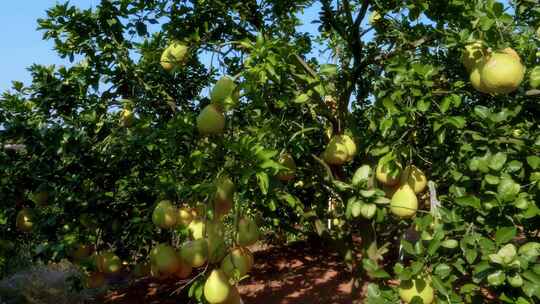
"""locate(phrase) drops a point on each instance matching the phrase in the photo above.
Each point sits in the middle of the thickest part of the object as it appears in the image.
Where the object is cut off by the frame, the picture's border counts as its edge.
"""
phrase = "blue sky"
(22, 44)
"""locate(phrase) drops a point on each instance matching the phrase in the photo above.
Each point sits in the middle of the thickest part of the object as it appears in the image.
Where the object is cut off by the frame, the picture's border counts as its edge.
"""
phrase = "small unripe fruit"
(108, 262)
(248, 232)
(195, 253)
(197, 228)
(415, 178)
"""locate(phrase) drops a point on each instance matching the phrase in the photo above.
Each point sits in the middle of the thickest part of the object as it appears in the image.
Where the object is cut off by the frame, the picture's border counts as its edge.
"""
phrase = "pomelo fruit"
(404, 202)
(223, 89)
(476, 79)
(197, 228)
(248, 232)
(473, 54)
(238, 262)
(414, 177)
(287, 161)
(340, 149)
(24, 221)
(108, 262)
(174, 55)
(185, 216)
(165, 215)
(165, 259)
(211, 120)
(40, 198)
(502, 73)
(389, 173)
(217, 287)
(416, 288)
(195, 253)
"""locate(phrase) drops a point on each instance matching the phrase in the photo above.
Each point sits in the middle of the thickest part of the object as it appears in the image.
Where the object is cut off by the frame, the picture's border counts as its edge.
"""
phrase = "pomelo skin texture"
(404, 202)
(502, 73)
(210, 121)
(165, 215)
(248, 232)
(389, 173)
(416, 287)
(195, 253)
(223, 88)
(415, 178)
(217, 287)
(286, 160)
(185, 216)
(24, 220)
(197, 228)
(473, 54)
(165, 258)
(476, 79)
(239, 260)
(340, 149)
(108, 262)
(174, 55)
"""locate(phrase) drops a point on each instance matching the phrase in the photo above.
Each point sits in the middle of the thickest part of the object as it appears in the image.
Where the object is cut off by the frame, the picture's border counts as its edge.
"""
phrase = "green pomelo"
(165, 215)
(248, 232)
(210, 121)
(195, 253)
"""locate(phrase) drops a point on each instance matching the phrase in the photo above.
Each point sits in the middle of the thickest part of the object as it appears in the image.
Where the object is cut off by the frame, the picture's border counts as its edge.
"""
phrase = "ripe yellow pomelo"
(414, 177)
(340, 149)
(502, 73)
(416, 288)
(185, 216)
(197, 228)
(476, 79)
(388, 174)
(404, 202)
(217, 287)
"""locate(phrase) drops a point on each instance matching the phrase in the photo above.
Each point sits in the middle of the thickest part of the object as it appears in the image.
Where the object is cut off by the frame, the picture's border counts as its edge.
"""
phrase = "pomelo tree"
(412, 126)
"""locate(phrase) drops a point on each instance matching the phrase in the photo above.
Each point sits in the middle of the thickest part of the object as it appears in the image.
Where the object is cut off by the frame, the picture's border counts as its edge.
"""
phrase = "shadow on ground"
(298, 273)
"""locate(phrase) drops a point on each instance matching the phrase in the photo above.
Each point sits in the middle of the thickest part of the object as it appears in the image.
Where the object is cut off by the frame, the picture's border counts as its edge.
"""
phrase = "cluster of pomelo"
(401, 185)
(498, 72)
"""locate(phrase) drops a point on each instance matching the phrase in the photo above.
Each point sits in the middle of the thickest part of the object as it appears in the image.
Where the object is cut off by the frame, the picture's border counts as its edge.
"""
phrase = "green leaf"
(496, 278)
(533, 161)
(497, 161)
(442, 270)
(508, 190)
(505, 234)
(361, 174)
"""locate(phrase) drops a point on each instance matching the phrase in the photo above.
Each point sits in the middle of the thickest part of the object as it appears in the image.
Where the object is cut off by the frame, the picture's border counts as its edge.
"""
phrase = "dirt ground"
(298, 273)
